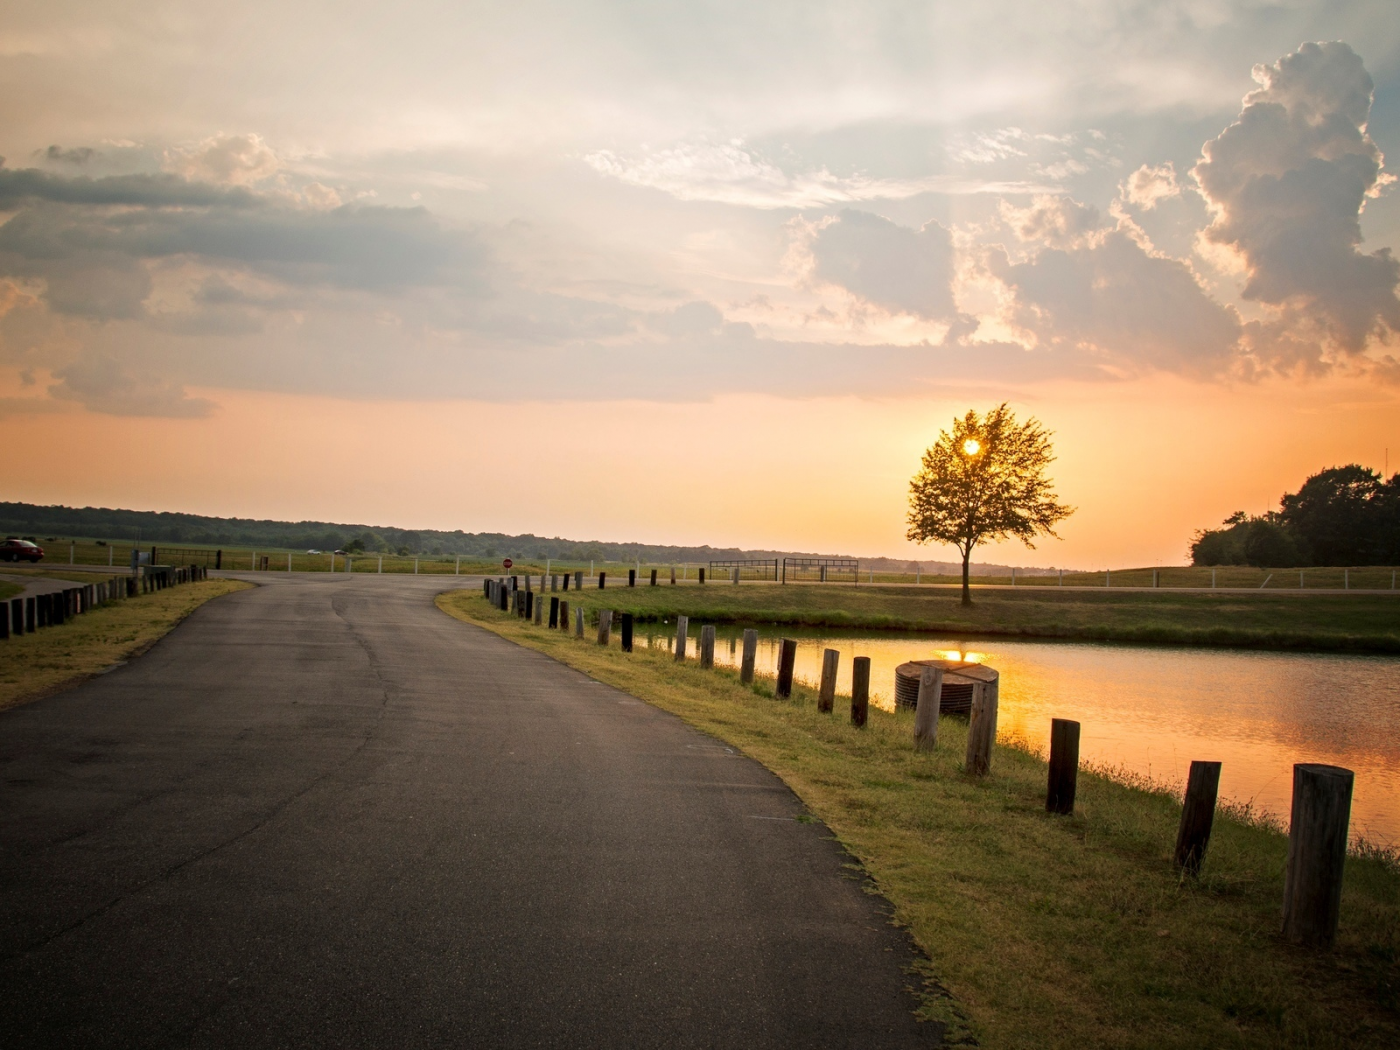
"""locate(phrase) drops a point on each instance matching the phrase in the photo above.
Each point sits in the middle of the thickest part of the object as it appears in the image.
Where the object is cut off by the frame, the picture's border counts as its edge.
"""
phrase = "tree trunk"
(966, 590)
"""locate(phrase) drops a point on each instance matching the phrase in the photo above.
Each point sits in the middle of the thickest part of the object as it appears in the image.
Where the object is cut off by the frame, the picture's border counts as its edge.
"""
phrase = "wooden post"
(1064, 765)
(604, 626)
(653, 577)
(826, 696)
(631, 577)
(1197, 816)
(539, 609)
(602, 581)
(787, 658)
(707, 646)
(529, 603)
(702, 574)
(578, 622)
(750, 654)
(673, 575)
(1317, 851)
(566, 581)
(626, 632)
(554, 613)
(926, 711)
(682, 624)
(736, 576)
(564, 616)
(860, 691)
(578, 580)
(981, 728)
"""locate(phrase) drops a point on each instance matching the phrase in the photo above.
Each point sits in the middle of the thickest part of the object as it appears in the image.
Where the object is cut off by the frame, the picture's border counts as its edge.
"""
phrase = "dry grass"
(54, 658)
(1048, 931)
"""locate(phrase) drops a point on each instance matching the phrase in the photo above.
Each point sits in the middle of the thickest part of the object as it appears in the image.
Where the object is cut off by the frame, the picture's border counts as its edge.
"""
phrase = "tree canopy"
(1340, 516)
(982, 482)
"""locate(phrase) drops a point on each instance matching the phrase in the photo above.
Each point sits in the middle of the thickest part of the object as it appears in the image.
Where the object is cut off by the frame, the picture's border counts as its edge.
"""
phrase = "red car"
(14, 549)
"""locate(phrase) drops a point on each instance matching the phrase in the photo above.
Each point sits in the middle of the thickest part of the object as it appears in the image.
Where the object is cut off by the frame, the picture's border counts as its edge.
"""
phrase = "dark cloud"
(892, 266)
(77, 155)
(1288, 181)
(28, 185)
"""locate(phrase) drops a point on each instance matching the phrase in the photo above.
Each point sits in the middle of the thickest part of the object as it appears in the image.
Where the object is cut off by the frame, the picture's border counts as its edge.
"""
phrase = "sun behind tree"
(985, 482)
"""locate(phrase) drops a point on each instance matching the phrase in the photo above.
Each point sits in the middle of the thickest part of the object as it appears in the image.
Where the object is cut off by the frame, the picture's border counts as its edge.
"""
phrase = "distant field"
(1357, 622)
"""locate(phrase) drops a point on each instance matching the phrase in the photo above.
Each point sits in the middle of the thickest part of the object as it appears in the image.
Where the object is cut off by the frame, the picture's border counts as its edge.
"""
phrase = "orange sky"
(1145, 462)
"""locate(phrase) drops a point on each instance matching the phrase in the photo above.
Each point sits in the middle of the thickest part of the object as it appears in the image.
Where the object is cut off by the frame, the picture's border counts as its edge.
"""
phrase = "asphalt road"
(322, 813)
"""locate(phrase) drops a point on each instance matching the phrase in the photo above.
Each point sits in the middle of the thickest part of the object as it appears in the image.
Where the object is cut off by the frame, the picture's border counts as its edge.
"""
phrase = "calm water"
(1153, 710)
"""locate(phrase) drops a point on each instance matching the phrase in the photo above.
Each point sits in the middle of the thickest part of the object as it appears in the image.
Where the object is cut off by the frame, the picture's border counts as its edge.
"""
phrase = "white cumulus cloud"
(227, 160)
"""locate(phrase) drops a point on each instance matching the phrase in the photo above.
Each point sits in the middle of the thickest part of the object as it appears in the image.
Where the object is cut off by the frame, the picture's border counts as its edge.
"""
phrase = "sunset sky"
(695, 272)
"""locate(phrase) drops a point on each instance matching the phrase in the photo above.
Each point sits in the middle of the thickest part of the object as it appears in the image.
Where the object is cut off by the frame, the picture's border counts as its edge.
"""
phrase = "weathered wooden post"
(826, 696)
(702, 574)
(860, 691)
(602, 581)
(1317, 851)
(981, 728)
(1197, 816)
(529, 603)
(626, 632)
(926, 709)
(578, 580)
(566, 581)
(578, 622)
(554, 613)
(787, 659)
(1064, 765)
(707, 646)
(631, 577)
(539, 608)
(554, 582)
(16, 616)
(736, 576)
(653, 577)
(673, 575)
(564, 616)
(604, 626)
(682, 624)
(750, 654)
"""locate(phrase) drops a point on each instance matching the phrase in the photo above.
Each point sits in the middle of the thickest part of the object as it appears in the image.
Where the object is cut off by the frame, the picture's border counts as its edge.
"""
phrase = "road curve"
(321, 813)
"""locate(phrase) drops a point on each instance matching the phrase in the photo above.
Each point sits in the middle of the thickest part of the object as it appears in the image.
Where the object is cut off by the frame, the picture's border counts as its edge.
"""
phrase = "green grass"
(1047, 931)
(9, 590)
(1354, 622)
(36, 665)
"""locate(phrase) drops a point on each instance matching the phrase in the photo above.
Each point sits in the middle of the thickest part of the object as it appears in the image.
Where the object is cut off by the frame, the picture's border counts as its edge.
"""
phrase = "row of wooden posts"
(26, 615)
(1321, 794)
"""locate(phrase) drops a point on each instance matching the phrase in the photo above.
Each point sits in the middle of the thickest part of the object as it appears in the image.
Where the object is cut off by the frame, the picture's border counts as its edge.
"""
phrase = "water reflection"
(1152, 710)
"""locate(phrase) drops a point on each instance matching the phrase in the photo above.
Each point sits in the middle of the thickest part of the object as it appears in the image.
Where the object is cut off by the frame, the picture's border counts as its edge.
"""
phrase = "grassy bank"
(1047, 931)
(53, 658)
(1347, 622)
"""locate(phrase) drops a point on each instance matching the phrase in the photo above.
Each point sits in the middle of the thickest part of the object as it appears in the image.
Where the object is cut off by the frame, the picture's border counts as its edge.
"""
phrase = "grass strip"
(1317, 622)
(1048, 931)
(54, 658)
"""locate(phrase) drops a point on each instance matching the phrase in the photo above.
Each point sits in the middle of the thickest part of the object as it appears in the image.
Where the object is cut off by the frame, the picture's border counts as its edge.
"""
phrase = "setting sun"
(972, 446)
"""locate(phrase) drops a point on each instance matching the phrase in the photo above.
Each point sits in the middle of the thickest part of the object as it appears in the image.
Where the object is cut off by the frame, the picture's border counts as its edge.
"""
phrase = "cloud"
(730, 174)
(225, 160)
(901, 269)
(27, 185)
(1148, 185)
(1056, 221)
(1287, 182)
(77, 155)
(1102, 292)
(102, 385)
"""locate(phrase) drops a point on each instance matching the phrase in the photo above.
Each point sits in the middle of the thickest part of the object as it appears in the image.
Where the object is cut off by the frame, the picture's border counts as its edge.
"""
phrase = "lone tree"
(985, 481)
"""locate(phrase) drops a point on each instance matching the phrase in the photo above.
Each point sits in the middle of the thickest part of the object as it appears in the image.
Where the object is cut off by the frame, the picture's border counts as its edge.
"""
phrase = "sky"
(695, 272)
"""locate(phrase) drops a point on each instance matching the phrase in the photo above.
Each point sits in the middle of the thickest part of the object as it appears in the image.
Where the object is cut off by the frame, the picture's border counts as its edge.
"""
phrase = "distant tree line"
(152, 527)
(1342, 516)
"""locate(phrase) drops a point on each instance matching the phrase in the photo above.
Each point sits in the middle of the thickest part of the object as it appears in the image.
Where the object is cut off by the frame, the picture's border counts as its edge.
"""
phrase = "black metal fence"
(760, 569)
(821, 570)
(187, 556)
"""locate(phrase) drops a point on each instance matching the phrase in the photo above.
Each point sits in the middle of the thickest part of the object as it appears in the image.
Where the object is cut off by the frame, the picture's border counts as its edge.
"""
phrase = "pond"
(1150, 711)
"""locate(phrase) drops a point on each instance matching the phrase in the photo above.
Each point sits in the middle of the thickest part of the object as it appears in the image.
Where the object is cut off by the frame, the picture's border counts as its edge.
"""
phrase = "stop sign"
(507, 563)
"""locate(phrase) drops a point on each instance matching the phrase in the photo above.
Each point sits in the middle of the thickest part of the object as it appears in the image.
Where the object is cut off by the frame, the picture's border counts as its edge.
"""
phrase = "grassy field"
(1357, 622)
(1047, 931)
(9, 590)
(53, 658)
